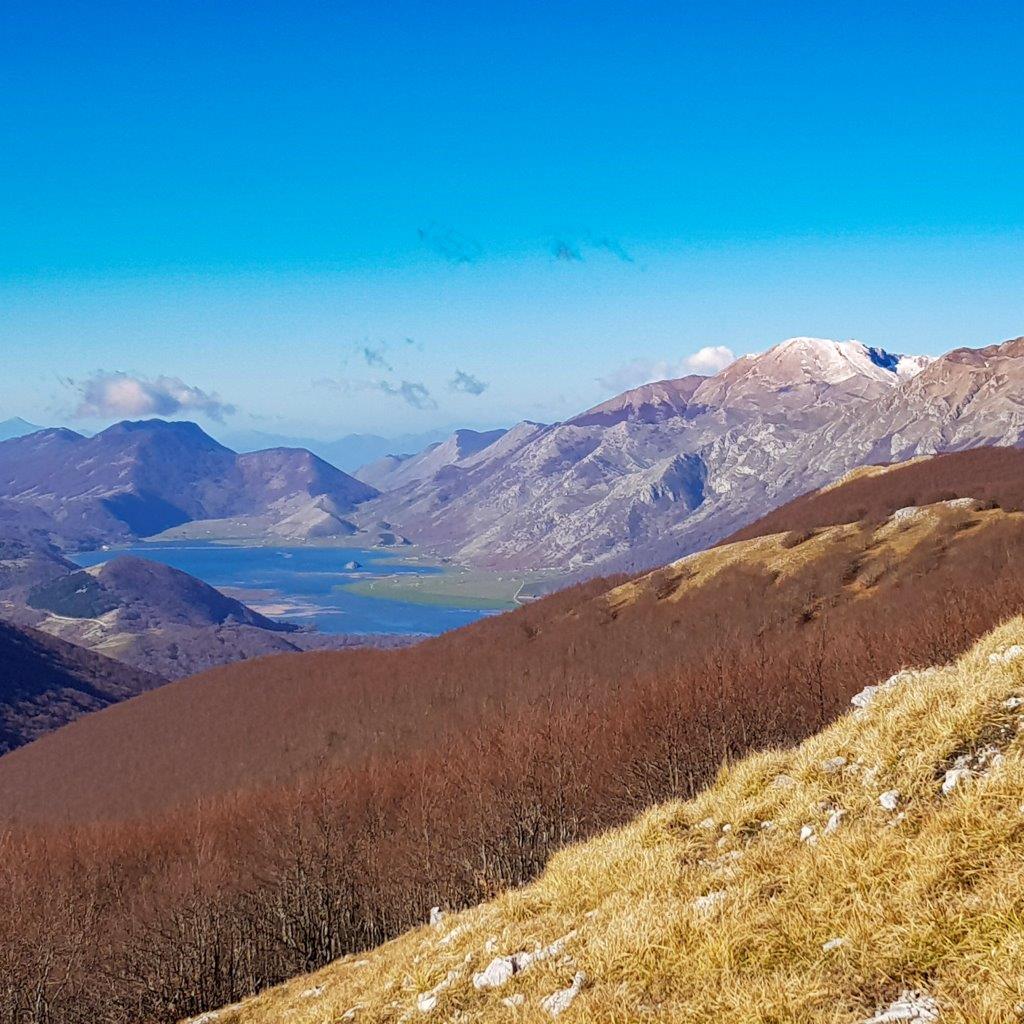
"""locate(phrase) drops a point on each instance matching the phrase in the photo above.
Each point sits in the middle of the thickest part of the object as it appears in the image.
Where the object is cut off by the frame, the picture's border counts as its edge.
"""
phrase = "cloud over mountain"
(710, 359)
(107, 394)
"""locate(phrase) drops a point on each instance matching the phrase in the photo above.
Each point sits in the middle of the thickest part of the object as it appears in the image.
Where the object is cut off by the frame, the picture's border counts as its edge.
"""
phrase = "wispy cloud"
(412, 393)
(373, 356)
(467, 383)
(710, 359)
(565, 251)
(449, 244)
(572, 247)
(106, 394)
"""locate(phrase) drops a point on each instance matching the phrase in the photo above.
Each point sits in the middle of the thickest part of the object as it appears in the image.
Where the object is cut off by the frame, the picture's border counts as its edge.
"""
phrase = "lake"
(304, 585)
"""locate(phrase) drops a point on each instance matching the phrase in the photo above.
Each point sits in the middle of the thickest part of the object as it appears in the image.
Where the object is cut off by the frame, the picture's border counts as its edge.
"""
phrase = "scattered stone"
(1013, 703)
(912, 1006)
(767, 826)
(783, 781)
(808, 836)
(311, 993)
(502, 968)
(707, 823)
(890, 799)
(833, 765)
(426, 1001)
(1005, 657)
(436, 917)
(828, 947)
(514, 1001)
(560, 1001)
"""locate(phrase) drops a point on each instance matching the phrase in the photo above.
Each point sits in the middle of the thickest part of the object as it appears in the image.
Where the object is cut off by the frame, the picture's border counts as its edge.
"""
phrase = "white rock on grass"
(311, 993)
(457, 932)
(1013, 703)
(436, 917)
(808, 836)
(953, 779)
(1006, 656)
(863, 700)
(908, 514)
(827, 947)
(783, 781)
(833, 765)
(558, 1002)
(514, 1001)
(502, 968)
(911, 1006)
(890, 799)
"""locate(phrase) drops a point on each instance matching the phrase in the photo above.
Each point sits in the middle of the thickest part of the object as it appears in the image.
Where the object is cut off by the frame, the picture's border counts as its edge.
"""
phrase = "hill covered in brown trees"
(259, 820)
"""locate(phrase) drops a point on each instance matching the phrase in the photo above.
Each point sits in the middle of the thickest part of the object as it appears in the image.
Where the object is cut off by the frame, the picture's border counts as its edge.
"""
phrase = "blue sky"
(266, 202)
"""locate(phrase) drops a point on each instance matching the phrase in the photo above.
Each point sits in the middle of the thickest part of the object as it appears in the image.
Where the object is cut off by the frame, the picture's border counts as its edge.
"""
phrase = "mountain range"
(670, 467)
(137, 479)
(347, 453)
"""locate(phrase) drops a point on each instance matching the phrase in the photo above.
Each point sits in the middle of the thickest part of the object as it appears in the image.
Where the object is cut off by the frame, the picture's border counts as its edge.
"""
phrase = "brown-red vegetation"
(992, 475)
(244, 826)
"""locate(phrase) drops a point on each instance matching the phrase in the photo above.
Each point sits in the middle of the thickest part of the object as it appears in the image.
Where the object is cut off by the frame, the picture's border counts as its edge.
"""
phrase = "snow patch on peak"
(836, 361)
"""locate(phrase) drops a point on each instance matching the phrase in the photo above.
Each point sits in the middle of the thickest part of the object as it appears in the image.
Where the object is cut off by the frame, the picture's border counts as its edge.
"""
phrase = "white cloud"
(120, 394)
(709, 359)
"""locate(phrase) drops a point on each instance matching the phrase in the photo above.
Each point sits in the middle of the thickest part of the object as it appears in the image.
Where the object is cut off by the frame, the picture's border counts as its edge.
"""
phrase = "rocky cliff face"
(668, 468)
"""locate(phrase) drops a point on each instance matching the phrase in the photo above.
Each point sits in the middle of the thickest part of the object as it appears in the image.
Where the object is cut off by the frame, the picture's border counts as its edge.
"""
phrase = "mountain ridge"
(575, 495)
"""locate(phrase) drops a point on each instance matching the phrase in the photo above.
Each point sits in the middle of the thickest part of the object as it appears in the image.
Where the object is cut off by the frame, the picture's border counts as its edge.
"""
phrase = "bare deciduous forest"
(462, 765)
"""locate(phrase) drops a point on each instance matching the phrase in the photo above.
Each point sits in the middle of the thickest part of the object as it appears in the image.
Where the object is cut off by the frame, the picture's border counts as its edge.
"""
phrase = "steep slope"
(578, 495)
(872, 874)
(294, 713)
(649, 403)
(658, 471)
(990, 475)
(332, 799)
(140, 478)
(46, 683)
(157, 618)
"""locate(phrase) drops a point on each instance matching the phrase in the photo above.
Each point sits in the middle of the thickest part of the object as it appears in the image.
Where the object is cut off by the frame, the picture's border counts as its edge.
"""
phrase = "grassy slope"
(931, 900)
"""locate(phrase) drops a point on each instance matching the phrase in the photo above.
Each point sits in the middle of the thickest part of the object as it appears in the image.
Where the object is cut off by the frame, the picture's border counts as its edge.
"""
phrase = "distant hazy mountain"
(136, 479)
(347, 453)
(16, 427)
(665, 469)
(395, 470)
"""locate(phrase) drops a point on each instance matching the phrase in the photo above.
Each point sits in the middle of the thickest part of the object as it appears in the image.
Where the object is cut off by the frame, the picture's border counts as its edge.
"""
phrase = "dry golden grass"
(864, 472)
(888, 544)
(930, 896)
